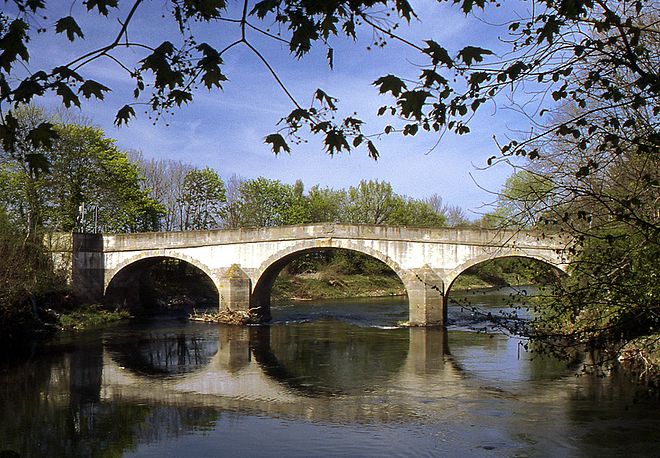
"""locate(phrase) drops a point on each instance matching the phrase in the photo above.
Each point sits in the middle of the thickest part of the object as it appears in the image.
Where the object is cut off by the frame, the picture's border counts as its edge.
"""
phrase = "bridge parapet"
(465, 236)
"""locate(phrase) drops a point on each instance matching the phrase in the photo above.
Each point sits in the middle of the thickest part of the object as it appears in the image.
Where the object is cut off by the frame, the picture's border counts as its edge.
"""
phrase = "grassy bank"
(89, 316)
(333, 285)
(330, 285)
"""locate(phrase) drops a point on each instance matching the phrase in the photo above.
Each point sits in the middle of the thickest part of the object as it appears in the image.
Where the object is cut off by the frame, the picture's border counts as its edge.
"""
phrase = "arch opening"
(161, 284)
(495, 293)
(309, 277)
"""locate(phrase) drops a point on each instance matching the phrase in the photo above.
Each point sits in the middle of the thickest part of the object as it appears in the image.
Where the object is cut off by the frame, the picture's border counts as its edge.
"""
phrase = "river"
(328, 378)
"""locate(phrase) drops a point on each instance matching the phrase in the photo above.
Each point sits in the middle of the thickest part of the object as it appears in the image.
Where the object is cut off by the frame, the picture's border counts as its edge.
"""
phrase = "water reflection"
(416, 390)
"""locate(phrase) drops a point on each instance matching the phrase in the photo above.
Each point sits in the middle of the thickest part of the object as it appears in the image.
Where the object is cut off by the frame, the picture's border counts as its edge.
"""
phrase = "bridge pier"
(235, 286)
(425, 297)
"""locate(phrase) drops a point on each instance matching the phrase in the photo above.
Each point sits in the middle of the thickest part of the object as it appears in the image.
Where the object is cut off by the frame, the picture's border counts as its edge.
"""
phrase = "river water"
(329, 378)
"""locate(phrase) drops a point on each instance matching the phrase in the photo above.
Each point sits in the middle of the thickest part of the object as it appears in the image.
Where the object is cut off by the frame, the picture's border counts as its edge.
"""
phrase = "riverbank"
(331, 285)
(326, 285)
(89, 316)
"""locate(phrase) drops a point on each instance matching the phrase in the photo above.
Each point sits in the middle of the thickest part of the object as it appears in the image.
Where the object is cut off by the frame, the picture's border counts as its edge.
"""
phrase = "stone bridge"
(244, 263)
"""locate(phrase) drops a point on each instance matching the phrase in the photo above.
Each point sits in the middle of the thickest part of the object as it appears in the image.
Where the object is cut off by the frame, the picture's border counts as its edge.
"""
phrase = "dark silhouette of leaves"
(70, 27)
(101, 5)
(124, 115)
(277, 143)
(471, 54)
(92, 88)
(390, 83)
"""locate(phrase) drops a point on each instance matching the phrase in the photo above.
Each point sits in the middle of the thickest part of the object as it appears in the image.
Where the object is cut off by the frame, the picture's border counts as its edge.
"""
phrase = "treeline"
(197, 198)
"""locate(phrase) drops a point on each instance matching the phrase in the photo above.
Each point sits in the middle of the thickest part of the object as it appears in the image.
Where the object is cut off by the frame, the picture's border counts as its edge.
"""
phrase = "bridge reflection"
(287, 366)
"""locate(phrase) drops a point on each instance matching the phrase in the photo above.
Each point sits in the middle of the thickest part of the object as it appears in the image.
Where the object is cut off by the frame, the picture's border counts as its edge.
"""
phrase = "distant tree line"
(195, 198)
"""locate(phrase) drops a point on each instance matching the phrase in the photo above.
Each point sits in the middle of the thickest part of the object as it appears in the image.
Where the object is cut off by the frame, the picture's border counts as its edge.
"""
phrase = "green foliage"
(202, 200)
(523, 201)
(88, 171)
(325, 204)
(90, 316)
(546, 54)
(265, 202)
(511, 271)
(370, 202)
(80, 170)
(27, 279)
(610, 298)
(416, 213)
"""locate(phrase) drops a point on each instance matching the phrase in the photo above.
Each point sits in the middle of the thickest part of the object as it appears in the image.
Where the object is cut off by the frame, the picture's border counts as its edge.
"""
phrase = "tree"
(370, 202)
(522, 201)
(325, 204)
(233, 205)
(265, 203)
(413, 212)
(86, 172)
(21, 173)
(203, 199)
(89, 172)
(594, 61)
(164, 181)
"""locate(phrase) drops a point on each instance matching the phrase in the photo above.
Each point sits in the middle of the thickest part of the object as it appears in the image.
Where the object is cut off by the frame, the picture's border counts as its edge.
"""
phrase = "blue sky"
(225, 129)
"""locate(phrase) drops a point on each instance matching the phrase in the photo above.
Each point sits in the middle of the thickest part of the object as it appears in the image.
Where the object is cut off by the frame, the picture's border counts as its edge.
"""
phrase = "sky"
(225, 129)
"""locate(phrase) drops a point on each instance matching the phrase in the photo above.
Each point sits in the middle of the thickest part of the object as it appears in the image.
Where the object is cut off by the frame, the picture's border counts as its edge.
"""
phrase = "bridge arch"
(122, 279)
(451, 277)
(268, 271)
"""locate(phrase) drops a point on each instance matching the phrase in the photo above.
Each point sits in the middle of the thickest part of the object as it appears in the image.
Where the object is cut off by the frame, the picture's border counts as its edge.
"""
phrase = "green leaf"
(70, 26)
(38, 163)
(550, 29)
(335, 141)
(516, 69)
(101, 5)
(473, 53)
(26, 90)
(205, 9)
(210, 64)
(439, 55)
(476, 78)
(8, 130)
(390, 83)
(92, 88)
(158, 63)
(410, 129)
(277, 143)
(262, 8)
(124, 115)
(432, 78)
(66, 73)
(373, 152)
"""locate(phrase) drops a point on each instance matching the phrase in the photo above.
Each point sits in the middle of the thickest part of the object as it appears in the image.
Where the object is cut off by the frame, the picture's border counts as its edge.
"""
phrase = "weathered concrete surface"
(426, 260)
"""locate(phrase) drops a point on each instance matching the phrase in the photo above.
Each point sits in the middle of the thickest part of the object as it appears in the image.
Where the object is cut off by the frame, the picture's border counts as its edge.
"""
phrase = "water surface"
(328, 378)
